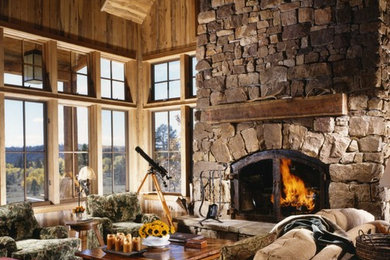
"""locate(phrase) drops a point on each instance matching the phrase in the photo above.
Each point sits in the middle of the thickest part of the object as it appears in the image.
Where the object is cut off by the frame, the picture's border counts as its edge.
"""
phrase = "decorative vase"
(152, 241)
(79, 215)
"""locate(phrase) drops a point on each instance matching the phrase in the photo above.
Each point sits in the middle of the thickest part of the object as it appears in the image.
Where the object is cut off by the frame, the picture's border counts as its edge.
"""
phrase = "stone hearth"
(252, 51)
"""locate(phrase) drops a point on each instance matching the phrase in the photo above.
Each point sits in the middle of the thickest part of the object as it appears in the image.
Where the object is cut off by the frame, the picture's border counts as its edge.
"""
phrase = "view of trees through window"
(73, 146)
(114, 151)
(167, 146)
(25, 148)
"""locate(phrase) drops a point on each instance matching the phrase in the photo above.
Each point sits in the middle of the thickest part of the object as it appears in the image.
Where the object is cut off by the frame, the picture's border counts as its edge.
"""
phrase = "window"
(73, 146)
(166, 146)
(114, 151)
(193, 72)
(23, 63)
(166, 80)
(25, 148)
(72, 72)
(112, 79)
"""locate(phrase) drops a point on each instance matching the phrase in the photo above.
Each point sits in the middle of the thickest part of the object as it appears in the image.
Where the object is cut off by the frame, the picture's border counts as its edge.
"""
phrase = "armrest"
(246, 248)
(7, 245)
(146, 218)
(105, 226)
(53, 232)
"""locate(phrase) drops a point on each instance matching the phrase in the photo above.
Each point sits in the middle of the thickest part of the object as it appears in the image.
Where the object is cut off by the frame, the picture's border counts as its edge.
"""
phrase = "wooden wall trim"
(52, 152)
(51, 64)
(327, 105)
(95, 147)
(97, 46)
(3, 175)
(165, 53)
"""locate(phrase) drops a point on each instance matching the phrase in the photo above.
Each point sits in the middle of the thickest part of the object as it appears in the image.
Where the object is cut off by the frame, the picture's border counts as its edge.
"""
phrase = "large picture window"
(166, 80)
(166, 145)
(73, 146)
(25, 148)
(23, 63)
(114, 136)
(72, 72)
(112, 79)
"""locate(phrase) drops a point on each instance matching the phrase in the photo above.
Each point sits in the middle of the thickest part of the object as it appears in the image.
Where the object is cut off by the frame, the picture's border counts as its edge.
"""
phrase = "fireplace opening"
(272, 185)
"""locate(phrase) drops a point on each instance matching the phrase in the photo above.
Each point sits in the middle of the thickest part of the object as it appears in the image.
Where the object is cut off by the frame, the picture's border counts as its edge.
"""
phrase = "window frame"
(126, 88)
(192, 87)
(125, 153)
(153, 83)
(25, 152)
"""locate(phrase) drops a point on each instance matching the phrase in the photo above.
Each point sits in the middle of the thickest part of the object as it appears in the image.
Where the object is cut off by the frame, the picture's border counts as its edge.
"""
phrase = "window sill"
(154, 196)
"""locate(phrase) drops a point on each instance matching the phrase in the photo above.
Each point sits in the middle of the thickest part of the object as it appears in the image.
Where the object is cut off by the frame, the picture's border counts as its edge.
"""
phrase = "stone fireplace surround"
(248, 50)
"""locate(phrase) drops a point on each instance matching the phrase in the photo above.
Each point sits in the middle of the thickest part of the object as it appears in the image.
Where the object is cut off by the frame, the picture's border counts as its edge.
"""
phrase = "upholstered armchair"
(21, 237)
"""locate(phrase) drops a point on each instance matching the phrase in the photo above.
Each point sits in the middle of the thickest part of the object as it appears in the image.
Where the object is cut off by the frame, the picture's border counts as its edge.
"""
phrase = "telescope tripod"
(160, 194)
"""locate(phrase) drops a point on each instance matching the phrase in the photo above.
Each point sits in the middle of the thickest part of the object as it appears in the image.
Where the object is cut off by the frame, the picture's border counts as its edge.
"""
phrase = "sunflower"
(156, 231)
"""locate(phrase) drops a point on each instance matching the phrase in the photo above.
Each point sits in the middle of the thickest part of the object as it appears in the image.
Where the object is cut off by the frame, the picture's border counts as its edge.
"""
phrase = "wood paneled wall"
(80, 21)
(171, 25)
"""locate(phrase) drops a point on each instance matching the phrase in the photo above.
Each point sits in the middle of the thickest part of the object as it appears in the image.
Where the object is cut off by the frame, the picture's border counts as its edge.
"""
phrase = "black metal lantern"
(33, 66)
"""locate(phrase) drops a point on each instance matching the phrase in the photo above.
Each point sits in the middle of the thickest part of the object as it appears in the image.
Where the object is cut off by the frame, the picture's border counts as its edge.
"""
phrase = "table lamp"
(86, 174)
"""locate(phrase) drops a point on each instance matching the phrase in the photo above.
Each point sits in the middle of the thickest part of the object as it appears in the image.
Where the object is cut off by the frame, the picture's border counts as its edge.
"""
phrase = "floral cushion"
(126, 206)
(53, 232)
(44, 249)
(100, 206)
(7, 245)
(17, 220)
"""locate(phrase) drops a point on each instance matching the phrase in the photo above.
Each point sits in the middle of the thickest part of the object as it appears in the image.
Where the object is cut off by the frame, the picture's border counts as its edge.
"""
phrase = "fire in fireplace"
(271, 185)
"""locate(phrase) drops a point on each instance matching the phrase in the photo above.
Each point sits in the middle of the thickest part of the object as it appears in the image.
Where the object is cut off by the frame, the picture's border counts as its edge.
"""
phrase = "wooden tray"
(133, 253)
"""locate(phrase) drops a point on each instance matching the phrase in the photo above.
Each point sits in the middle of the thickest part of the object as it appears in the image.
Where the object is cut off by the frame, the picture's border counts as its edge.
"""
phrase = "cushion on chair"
(17, 220)
(100, 206)
(42, 249)
(127, 227)
(126, 206)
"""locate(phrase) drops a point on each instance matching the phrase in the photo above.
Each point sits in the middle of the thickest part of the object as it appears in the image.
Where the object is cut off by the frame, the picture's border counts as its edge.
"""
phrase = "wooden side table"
(82, 227)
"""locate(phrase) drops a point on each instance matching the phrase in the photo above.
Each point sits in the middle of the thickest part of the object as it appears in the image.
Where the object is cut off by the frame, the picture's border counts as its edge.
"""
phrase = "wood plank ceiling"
(133, 10)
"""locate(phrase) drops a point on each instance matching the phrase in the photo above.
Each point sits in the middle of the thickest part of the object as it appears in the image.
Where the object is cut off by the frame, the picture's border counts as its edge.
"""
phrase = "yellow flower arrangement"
(79, 209)
(156, 228)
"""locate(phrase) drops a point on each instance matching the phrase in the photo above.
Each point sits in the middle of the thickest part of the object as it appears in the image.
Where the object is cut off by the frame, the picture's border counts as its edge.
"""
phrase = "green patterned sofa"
(120, 212)
(22, 238)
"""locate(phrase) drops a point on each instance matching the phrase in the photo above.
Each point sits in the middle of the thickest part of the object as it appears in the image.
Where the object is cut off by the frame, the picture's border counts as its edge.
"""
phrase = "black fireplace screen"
(271, 185)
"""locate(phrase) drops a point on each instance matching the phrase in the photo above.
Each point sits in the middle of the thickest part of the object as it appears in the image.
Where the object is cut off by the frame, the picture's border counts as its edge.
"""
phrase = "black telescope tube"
(152, 163)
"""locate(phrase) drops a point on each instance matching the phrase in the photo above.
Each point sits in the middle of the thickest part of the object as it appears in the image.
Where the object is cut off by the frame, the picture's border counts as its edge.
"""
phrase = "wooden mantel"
(327, 105)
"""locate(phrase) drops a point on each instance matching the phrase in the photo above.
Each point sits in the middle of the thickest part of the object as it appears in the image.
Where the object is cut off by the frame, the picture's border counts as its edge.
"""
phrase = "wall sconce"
(33, 66)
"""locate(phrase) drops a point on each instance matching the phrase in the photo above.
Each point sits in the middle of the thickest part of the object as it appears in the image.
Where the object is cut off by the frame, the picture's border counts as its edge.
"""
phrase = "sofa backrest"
(17, 220)
(119, 207)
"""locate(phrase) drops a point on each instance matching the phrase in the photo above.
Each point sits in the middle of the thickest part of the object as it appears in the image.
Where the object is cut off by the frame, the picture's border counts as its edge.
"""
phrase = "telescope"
(154, 165)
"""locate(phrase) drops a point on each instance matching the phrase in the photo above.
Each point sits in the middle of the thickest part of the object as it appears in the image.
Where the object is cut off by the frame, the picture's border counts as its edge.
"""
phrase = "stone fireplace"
(304, 80)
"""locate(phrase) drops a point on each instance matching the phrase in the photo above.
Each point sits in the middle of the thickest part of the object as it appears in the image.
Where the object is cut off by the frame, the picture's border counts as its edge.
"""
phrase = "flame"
(296, 194)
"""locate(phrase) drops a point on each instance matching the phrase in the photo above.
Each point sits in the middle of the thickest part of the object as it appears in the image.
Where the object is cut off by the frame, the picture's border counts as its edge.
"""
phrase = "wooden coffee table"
(173, 251)
(82, 227)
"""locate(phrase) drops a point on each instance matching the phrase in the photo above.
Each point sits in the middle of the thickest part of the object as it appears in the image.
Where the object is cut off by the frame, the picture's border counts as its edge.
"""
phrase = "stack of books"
(189, 240)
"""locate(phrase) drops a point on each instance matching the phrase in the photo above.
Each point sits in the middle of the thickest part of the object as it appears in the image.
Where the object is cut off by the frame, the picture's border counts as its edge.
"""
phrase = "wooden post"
(131, 79)
(131, 153)
(51, 65)
(52, 152)
(184, 77)
(94, 74)
(1, 57)
(95, 148)
(3, 175)
(185, 149)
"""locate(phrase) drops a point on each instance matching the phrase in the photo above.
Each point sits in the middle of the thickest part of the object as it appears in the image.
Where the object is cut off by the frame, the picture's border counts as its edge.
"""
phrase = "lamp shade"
(86, 173)
(385, 180)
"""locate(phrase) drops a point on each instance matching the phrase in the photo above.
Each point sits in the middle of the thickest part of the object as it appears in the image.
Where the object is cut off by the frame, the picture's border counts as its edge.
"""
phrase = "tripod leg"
(142, 183)
(162, 199)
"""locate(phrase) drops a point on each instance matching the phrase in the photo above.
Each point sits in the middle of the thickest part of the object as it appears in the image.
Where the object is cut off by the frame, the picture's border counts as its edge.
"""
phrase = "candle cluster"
(123, 243)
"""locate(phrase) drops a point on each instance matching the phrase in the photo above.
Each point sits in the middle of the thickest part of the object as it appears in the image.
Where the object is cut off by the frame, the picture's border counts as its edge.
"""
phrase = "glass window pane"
(82, 128)
(162, 159)
(174, 89)
(83, 70)
(174, 172)
(105, 88)
(160, 72)
(194, 89)
(119, 173)
(118, 90)
(82, 160)
(13, 125)
(174, 130)
(15, 177)
(79, 63)
(106, 130)
(174, 70)
(35, 177)
(13, 61)
(160, 91)
(107, 174)
(63, 58)
(118, 70)
(34, 126)
(82, 85)
(194, 62)
(60, 86)
(119, 128)
(65, 131)
(105, 68)
(66, 175)
(161, 131)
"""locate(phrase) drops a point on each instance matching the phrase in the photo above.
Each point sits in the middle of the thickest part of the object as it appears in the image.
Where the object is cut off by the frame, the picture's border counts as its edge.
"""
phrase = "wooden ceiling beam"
(133, 10)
